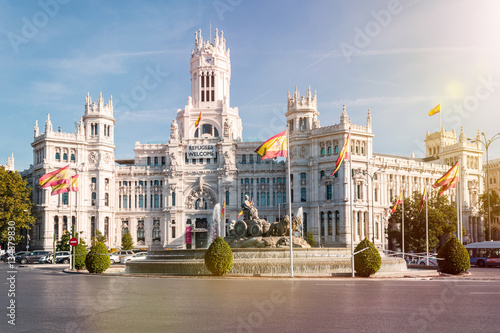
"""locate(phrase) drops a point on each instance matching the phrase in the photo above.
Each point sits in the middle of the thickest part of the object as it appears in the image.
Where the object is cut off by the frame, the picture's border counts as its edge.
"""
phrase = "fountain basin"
(258, 262)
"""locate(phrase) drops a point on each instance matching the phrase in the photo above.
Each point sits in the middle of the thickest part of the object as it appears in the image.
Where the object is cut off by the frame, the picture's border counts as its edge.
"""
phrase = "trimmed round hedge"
(219, 257)
(367, 262)
(455, 257)
(97, 260)
(80, 255)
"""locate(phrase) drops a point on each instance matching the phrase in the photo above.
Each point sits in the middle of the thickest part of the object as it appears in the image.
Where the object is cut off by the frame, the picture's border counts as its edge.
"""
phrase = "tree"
(309, 237)
(454, 257)
(127, 242)
(494, 209)
(442, 222)
(80, 254)
(97, 260)
(219, 257)
(99, 237)
(366, 262)
(15, 206)
(63, 244)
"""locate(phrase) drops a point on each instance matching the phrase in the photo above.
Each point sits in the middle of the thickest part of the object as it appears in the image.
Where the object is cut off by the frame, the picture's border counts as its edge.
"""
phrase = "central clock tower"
(210, 81)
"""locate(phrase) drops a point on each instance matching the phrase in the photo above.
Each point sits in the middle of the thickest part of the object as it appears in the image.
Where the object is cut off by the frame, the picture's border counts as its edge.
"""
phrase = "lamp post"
(486, 143)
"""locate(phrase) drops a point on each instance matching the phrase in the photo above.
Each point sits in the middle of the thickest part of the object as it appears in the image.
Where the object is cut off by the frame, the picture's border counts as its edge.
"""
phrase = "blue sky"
(397, 58)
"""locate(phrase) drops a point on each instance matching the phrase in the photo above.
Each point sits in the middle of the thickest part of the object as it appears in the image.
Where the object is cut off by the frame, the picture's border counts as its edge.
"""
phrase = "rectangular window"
(173, 231)
(303, 194)
(328, 192)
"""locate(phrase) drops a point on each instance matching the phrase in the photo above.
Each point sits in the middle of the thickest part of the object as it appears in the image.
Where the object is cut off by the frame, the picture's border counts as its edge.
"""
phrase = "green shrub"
(367, 262)
(309, 237)
(455, 255)
(97, 260)
(80, 255)
(127, 242)
(219, 257)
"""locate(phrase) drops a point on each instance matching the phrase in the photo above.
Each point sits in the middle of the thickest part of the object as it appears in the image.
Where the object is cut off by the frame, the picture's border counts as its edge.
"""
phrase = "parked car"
(432, 261)
(63, 258)
(136, 256)
(114, 257)
(48, 259)
(118, 255)
(31, 257)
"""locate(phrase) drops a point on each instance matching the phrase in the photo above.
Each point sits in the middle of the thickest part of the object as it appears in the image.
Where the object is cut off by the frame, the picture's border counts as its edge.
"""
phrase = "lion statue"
(282, 227)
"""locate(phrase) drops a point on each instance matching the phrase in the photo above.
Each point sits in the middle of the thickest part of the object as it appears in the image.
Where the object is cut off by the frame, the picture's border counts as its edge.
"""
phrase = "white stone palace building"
(166, 194)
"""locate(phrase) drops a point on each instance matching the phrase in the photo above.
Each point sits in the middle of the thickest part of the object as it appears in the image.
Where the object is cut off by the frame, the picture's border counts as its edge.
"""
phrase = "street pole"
(290, 204)
(403, 224)
(426, 233)
(488, 189)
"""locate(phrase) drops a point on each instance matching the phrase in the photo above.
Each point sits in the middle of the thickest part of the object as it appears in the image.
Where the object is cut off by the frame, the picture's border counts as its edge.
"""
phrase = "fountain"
(259, 249)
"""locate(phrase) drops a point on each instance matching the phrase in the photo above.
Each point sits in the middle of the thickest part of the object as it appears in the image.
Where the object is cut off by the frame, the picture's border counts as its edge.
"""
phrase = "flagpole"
(403, 223)
(350, 202)
(457, 203)
(426, 231)
(71, 252)
(290, 203)
(460, 204)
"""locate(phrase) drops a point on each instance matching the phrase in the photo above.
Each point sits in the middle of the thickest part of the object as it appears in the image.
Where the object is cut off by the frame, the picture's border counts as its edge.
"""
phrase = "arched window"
(329, 150)
(244, 159)
(322, 151)
(200, 204)
(106, 227)
(173, 198)
(336, 149)
(140, 231)
(337, 223)
(156, 231)
(330, 224)
(322, 224)
(56, 227)
(65, 156)
(322, 174)
(73, 158)
(156, 160)
(304, 223)
(58, 156)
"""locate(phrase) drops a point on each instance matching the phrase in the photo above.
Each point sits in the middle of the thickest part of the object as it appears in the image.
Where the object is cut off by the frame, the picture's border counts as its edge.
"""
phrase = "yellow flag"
(436, 109)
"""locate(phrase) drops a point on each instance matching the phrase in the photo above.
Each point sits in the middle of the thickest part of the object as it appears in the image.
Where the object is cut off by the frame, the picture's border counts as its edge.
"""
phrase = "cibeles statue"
(249, 210)
(253, 231)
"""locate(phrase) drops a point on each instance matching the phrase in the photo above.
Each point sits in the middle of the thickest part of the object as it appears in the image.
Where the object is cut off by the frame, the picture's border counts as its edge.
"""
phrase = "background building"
(166, 195)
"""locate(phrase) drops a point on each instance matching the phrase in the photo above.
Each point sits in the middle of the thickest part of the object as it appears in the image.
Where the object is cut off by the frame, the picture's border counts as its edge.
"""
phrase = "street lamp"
(486, 143)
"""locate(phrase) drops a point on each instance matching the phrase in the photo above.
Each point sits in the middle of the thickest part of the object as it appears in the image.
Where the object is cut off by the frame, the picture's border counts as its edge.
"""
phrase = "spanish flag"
(74, 183)
(344, 154)
(449, 177)
(424, 197)
(222, 211)
(197, 122)
(436, 109)
(274, 147)
(66, 185)
(54, 177)
(400, 201)
(240, 213)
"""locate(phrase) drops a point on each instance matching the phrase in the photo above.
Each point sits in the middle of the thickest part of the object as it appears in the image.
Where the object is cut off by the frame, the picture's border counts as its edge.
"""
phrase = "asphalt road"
(48, 300)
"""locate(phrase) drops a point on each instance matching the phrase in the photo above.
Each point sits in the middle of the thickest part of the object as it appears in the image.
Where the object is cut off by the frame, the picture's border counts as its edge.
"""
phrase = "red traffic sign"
(73, 241)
